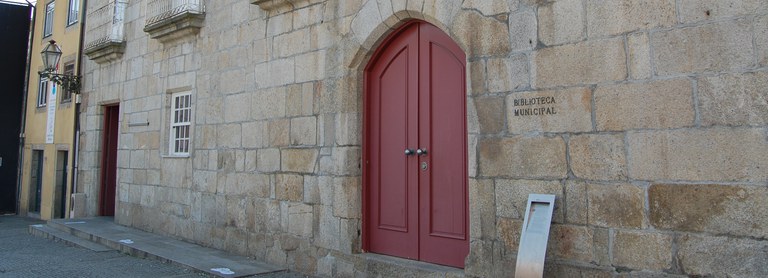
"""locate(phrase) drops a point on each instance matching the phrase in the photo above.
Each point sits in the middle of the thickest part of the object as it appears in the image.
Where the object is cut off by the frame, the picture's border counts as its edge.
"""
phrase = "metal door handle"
(408, 152)
(421, 152)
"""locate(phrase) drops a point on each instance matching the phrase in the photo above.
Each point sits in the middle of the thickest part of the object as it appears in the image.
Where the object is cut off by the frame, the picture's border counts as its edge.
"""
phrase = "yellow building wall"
(68, 39)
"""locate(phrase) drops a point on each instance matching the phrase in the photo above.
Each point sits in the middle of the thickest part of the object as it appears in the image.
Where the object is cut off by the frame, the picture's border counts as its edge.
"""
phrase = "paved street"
(24, 255)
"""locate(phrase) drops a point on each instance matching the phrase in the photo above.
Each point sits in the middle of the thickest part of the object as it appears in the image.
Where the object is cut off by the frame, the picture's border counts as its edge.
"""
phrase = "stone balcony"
(104, 40)
(169, 20)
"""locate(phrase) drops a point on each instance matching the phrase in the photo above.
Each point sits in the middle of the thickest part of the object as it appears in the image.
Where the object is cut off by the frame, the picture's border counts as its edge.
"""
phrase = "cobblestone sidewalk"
(23, 255)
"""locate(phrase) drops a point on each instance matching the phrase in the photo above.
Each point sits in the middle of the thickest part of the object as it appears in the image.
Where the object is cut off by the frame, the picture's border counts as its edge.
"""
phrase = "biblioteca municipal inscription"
(547, 102)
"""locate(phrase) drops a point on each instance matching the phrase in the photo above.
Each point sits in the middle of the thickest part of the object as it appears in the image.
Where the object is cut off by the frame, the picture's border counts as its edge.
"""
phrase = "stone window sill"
(282, 5)
(105, 52)
(175, 27)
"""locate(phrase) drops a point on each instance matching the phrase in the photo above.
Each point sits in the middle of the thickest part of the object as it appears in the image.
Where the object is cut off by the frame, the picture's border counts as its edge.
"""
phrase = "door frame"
(366, 132)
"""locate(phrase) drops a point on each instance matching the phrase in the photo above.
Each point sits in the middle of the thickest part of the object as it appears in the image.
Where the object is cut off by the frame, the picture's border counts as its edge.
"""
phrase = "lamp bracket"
(69, 82)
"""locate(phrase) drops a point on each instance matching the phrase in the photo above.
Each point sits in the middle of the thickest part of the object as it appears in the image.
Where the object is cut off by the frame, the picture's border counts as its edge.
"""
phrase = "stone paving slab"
(103, 230)
(46, 231)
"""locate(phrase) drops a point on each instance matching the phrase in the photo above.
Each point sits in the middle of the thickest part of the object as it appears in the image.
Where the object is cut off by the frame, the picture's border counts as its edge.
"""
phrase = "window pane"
(48, 27)
(74, 10)
(181, 113)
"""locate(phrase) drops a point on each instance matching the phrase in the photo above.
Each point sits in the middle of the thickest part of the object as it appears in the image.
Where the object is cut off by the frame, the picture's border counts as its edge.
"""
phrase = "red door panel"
(416, 100)
(443, 187)
(393, 139)
(393, 188)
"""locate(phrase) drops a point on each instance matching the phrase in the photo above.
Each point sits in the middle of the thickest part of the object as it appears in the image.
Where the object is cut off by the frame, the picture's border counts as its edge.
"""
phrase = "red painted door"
(109, 161)
(416, 171)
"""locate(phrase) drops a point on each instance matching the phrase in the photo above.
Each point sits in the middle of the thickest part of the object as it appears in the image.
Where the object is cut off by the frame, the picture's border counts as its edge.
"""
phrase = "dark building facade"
(14, 25)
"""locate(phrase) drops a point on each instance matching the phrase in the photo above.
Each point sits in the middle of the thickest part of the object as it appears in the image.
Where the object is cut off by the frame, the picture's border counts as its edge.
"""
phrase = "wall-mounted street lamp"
(51, 55)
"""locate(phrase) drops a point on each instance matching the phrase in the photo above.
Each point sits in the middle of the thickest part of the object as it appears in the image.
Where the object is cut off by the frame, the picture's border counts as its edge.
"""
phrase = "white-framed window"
(74, 12)
(42, 92)
(48, 26)
(181, 123)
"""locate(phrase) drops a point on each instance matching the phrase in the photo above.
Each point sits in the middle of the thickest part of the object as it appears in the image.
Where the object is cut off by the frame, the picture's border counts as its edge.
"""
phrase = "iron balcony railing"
(160, 10)
(105, 23)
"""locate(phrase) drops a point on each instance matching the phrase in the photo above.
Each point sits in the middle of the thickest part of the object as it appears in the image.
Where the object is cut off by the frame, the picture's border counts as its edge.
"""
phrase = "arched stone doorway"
(415, 147)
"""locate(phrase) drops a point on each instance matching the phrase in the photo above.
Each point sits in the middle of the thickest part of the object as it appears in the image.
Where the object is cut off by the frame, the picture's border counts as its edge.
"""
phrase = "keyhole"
(424, 166)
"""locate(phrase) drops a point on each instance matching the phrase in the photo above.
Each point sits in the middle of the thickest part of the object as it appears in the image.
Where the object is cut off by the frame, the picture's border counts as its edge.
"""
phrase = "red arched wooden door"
(416, 197)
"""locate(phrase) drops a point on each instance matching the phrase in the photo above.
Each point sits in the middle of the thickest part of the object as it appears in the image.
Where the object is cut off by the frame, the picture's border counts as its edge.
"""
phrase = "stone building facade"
(647, 119)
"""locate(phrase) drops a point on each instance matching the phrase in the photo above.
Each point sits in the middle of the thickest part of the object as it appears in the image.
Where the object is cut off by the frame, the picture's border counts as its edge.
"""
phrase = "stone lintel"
(105, 52)
(176, 26)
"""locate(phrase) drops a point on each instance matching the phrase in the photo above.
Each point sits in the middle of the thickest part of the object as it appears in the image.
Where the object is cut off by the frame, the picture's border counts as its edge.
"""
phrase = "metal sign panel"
(534, 236)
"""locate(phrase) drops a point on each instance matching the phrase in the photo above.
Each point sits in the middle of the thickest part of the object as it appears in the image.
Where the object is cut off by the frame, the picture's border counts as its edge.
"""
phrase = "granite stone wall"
(647, 119)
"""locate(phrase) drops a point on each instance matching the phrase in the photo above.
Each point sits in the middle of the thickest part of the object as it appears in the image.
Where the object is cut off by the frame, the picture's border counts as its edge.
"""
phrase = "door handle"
(421, 152)
(408, 152)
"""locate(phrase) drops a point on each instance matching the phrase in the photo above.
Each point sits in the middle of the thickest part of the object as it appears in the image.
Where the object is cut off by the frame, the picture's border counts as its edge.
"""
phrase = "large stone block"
(289, 187)
(490, 114)
(348, 130)
(300, 220)
(345, 161)
(572, 243)
(717, 47)
(275, 72)
(716, 256)
(587, 62)
(507, 74)
(576, 209)
(612, 17)
(524, 157)
(278, 133)
(268, 160)
(717, 209)
(479, 262)
(347, 198)
(229, 136)
(310, 66)
(237, 107)
(471, 28)
(734, 100)
(267, 104)
(487, 7)
(561, 22)
(566, 110)
(328, 228)
(298, 160)
(660, 104)
(615, 205)
(482, 212)
(761, 39)
(642, 250)
(639, 47)
(598, 157)
(701, 10)
(722, 154)
(508, 231)
(366, 21)
(255, 134)
(523, 30)
(304, 131)
(291, 43)
(476, 77)
(512, 197)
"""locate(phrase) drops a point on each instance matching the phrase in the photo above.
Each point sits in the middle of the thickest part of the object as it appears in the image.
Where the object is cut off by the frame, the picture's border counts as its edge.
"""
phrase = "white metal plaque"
(51, 120)
(534, 236)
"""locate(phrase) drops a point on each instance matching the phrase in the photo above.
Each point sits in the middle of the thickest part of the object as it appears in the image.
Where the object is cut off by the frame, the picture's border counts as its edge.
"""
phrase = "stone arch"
(367, 39)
